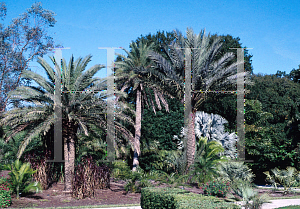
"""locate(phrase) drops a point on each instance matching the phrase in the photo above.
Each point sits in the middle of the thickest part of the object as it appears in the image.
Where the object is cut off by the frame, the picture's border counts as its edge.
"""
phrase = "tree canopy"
(24, 39)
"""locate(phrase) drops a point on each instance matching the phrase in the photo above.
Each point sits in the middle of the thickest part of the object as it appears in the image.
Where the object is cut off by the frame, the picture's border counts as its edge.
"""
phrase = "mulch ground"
(116, 195)
(54, 197)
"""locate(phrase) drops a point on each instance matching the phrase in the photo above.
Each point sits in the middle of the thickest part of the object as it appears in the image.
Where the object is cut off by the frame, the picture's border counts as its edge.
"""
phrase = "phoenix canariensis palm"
(208, 73)
(136, 73)
(82, 104)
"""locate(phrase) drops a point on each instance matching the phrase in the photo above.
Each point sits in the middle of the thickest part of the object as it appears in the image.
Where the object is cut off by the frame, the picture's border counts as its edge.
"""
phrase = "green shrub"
(216, 188)
(5, 198)
(152, 198)
(131, 184)
(191, 200)
(121, 170)
(172, 179)
(20, 178)
(137, 181)
(5, 181)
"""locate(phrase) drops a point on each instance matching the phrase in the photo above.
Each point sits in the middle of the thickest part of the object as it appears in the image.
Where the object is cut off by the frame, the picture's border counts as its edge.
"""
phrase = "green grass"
(290, 207)
(283, 197)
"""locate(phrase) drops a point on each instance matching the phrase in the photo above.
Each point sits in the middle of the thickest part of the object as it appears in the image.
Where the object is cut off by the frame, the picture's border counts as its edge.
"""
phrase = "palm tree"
(209, 73)
(82, 108)
(136, 73)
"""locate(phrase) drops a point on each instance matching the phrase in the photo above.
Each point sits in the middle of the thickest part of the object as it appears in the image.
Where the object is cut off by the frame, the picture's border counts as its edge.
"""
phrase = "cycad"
(20, 177)
(81, 106)
(212, 127)
(208, 73)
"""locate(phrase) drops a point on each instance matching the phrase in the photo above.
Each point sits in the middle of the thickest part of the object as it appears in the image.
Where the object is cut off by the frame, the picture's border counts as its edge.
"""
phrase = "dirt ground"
(116, 195)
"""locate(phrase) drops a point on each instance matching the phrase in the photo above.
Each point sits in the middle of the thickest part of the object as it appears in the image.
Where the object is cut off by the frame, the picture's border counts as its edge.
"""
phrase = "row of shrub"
(152, 198)
(233, 178)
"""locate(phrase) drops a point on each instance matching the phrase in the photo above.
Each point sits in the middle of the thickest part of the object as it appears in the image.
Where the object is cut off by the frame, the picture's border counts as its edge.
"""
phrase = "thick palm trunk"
(191, 141)
(69, 136)
(138, 125)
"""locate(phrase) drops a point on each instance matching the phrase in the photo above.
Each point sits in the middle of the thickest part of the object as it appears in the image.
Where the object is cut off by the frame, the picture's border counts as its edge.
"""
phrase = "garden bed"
(54, 197)
(116, 195)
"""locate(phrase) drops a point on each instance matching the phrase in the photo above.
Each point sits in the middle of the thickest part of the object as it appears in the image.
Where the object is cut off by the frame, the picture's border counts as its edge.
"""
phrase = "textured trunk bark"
(191, 142)
(69, 135)
(138, 125)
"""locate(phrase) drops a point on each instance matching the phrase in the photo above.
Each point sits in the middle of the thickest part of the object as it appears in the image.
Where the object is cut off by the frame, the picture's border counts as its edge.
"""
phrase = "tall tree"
(275, 141)
(20, 42)
(81, 106)
(208, 73)
(160, 40)
(137, 74)
(295, 75)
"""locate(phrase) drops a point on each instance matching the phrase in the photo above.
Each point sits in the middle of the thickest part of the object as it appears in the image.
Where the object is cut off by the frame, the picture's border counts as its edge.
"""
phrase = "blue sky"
(271, 28)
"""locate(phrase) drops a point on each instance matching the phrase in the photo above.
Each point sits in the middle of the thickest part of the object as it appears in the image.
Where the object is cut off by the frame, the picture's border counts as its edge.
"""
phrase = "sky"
(271, 28)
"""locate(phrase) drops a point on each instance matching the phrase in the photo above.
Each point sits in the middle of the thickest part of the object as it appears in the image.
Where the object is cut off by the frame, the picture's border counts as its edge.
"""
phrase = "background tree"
(20, 42)
(161, 128)
(160, 40)
(277, 141)
(295, 75)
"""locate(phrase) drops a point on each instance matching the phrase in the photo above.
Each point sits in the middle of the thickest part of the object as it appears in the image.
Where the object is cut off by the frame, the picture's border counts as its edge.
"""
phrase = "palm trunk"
(69, 152)
(138, 125)
(191, 142)
(18, 190)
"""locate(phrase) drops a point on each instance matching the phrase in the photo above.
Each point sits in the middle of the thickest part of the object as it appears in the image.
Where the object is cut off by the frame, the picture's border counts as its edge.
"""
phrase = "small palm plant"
(287, 178)
(206, 161)
(20, 177)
